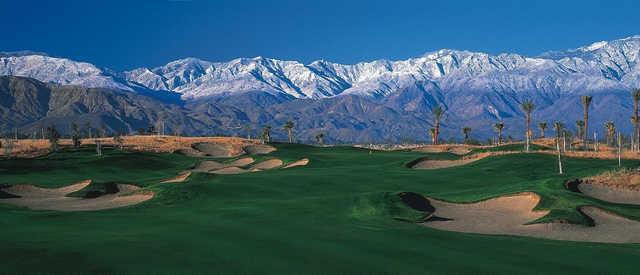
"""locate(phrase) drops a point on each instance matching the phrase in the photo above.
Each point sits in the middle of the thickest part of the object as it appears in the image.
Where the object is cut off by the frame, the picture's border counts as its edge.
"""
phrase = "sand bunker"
(38, 198)
(242, 162)
(259, 149)
(267, 164)
(610, 194)
(191, 152)
(300, 162)
(210, 165)
(217, 150)
(460, 151)
(229, 171)
(438, 164)
(426, 163)
(619, 186)
(236, 167)
(508, 215)
(179, 178)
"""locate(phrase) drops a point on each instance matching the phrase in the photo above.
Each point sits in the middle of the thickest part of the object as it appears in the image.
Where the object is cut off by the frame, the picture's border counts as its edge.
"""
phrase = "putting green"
(338, 214)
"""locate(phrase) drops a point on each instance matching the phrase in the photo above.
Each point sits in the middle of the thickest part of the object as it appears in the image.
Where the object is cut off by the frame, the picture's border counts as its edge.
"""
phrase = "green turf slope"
(340, 214)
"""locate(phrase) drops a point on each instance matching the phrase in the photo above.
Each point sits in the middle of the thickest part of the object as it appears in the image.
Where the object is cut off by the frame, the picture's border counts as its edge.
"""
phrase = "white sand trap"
(610, 194)
(37, 198)
(179, 178)
(300, 162)
(229, 171)
(508, 215)
(259, 149)
(267, 164)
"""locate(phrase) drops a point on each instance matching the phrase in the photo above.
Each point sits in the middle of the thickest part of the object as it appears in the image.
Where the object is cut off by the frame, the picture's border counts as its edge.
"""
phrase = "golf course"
(344, 210)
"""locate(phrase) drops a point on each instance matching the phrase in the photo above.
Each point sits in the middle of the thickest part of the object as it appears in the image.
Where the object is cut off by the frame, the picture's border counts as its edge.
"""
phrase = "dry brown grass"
(620, 179)
(161, 144)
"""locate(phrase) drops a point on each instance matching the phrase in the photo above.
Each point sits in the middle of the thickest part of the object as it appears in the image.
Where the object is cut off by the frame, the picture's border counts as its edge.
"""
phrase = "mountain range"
(378, 101)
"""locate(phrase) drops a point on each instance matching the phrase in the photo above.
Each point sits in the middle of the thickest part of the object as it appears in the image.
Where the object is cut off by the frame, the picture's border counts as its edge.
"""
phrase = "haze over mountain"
(365, 102)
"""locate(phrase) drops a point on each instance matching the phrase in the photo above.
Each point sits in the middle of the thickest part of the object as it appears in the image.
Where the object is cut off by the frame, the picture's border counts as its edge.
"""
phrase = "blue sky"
(128, 34)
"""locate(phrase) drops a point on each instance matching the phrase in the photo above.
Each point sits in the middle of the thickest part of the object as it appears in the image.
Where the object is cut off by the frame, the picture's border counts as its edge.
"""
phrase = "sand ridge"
(37, 198)
(511, 215)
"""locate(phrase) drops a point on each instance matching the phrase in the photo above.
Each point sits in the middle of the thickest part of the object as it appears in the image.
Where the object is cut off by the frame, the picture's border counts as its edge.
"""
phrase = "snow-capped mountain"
(602, 66)
(375, 100)
(58, 70)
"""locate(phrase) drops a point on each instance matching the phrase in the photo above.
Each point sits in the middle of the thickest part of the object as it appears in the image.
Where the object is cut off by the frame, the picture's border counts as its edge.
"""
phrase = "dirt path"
(507, 215)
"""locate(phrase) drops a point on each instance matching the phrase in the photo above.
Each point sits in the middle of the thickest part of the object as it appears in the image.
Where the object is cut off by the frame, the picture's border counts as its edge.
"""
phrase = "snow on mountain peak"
(594, 46)
(599, 66)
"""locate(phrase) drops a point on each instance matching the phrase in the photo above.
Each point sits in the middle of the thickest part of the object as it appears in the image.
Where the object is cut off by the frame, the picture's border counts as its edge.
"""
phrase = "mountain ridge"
(380, 100)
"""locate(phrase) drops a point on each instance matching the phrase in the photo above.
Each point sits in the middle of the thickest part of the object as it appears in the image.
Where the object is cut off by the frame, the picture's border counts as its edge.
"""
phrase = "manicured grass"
(339, 214)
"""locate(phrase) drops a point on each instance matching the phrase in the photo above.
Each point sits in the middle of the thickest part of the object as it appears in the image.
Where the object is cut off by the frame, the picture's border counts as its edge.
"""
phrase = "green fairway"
(339, 214)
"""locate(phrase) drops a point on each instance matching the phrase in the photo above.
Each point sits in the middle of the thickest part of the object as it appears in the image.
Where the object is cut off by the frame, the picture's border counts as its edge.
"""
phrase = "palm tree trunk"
(586, 126)
(636, 135)
(528, 134)
(437, 132)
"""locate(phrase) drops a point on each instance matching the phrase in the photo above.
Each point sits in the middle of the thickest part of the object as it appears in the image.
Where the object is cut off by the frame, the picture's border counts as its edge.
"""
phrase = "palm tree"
(528, 106)
(636, 120)
(289, 127)
(437, 112)
(248, 129)
(586, 102)
(558, 127)
(266, 134)
(580, 129)
(432, 131)
(611, 131)
(498, 127)
(320, 138)
(543, 127)
(466, 131)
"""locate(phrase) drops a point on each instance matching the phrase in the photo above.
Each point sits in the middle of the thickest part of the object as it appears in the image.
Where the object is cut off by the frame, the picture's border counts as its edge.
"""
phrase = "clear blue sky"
(133, 33)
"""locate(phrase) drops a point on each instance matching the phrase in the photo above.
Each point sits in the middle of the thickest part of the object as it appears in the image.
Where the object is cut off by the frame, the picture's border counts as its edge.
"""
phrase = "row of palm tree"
(528, 107)
(288, 127)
